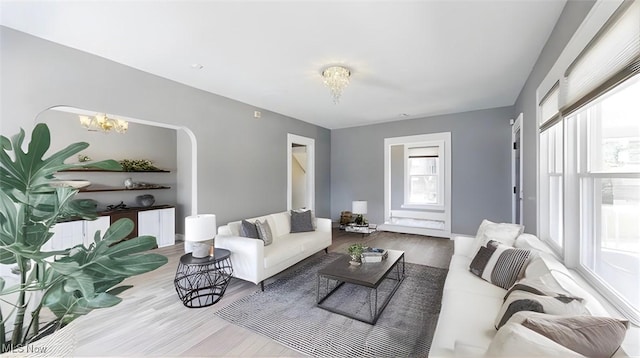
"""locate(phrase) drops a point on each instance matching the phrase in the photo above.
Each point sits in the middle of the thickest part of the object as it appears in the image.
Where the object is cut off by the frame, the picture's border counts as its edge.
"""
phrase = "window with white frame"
(608, 170)
(589, 156)
(551, 184)
(424, 177)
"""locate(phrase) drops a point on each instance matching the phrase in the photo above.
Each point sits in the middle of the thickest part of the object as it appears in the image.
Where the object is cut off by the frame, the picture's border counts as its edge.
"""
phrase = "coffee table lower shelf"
(328, 284)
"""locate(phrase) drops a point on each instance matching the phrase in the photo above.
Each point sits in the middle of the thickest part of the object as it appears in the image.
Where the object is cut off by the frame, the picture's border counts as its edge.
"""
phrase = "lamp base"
(201, 250)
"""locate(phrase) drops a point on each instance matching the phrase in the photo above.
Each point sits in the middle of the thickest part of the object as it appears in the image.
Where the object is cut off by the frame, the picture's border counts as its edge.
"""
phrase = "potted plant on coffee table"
(355, 251)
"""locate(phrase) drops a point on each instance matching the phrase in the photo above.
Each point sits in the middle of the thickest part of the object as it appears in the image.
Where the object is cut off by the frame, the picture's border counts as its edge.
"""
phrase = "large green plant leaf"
(80, 279)
(90, 274)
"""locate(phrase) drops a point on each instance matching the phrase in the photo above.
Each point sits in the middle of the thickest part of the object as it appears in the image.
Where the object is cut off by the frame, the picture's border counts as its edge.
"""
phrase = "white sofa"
(470, 305)
(254, 262)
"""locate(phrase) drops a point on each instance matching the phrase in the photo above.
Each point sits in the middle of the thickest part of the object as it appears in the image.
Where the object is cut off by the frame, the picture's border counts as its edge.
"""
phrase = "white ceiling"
(417, 58)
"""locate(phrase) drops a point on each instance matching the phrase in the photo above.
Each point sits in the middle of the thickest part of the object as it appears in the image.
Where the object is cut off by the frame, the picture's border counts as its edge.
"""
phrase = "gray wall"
(572, 16)
(242, 161)
(481, 165)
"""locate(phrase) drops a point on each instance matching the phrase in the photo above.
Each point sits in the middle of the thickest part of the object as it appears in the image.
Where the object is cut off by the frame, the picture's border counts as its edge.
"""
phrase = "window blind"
(610, 58)
(424, 152)
(549, 107)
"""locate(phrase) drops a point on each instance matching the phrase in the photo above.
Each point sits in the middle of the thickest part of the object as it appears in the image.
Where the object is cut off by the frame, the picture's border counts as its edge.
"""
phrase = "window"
(424, 179)
(423, 186)
(551, 184)
(589, 153)
(608, 149)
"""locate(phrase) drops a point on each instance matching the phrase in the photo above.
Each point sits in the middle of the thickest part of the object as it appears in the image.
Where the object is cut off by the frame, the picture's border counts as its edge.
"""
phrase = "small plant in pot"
(355, 251)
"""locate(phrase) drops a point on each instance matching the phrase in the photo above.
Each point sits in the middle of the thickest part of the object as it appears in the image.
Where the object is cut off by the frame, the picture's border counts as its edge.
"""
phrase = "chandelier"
(337, 79)
(100, 122)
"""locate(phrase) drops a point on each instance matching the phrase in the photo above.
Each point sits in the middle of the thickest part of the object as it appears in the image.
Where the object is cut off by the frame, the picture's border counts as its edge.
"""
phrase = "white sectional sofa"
(471, 305)
(253, 261)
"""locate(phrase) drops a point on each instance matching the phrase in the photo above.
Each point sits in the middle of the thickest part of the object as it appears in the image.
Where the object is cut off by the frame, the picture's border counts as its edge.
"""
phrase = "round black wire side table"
(201, 282)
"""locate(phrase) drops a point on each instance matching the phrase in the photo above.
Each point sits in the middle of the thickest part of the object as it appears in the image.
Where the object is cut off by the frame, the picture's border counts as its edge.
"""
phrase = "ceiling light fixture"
(337, 79)
(100, 122)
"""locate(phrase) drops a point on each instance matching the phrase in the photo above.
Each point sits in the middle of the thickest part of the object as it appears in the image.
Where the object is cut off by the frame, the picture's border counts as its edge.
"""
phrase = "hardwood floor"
(151, 320)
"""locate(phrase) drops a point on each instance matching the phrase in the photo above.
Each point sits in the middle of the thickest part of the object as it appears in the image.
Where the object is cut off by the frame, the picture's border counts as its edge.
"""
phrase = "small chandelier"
(337, 79)
(100, 122)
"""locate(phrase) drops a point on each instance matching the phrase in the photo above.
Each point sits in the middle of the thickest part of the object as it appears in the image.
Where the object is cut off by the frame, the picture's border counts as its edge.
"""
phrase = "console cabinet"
(71, 233)
(158, 222)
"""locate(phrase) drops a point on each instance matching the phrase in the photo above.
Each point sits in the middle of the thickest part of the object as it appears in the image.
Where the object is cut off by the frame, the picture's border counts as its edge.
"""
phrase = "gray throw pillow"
(301, 221)
(587, 335)
(264, 232)
(248, 229)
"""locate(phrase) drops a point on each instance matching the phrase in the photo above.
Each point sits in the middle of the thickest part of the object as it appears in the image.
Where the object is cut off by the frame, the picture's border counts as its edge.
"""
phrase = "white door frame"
(516, 131)
(310, 143)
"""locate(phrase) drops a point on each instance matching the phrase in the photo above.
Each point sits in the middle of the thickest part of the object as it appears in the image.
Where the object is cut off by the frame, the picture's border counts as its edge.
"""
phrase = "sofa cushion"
(280, 251)
(531, 242)
(547, 274)
(264, 232)
(502, 232)
(515, 340)
(542, 264)
(301, 221)
(248, 229)
(499, 264)
(281, 224)
(518, 300)
(466, 317)
(588, 335)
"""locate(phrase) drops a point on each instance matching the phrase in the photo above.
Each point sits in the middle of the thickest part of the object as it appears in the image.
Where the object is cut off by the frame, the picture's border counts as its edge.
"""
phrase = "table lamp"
(199, 232)
(359, 207)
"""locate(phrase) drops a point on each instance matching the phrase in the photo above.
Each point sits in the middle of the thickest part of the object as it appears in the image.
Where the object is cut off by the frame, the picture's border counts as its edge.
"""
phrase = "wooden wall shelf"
(96, 188)
(90, 170)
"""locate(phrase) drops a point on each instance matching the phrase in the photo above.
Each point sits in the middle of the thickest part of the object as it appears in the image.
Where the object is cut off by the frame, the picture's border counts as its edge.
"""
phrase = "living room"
(240, 160)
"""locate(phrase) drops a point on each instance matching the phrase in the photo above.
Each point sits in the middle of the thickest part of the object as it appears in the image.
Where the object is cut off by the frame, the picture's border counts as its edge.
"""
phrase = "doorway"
(300, 172)
(516, 170)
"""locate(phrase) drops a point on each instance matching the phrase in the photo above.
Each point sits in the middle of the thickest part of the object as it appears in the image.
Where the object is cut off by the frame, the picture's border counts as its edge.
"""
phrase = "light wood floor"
(151, 320)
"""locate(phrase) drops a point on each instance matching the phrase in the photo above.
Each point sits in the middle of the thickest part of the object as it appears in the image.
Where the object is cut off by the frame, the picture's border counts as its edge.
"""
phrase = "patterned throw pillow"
(499, 264)
(301, 221)
(248, 229)
(264, 232)
(533, 300)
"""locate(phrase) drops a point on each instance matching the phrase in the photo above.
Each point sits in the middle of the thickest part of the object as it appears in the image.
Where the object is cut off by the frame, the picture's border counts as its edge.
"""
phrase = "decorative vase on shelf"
(145, 200)
(128, 183)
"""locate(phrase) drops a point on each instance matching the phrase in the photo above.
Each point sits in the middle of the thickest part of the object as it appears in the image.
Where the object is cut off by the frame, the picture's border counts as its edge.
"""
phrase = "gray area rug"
(286, 312)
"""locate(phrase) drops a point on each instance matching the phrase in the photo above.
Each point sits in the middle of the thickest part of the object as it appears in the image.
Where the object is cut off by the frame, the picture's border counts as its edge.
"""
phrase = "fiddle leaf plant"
(70, 282)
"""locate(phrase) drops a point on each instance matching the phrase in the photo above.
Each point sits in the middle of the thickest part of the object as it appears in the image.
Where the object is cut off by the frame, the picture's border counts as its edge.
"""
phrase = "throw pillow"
(519, 300)
(499, 264)
(248, 229)
(514, 340)
(301, 221)
(264, 232)
(502, 232)
(588, 335)
(314, 220)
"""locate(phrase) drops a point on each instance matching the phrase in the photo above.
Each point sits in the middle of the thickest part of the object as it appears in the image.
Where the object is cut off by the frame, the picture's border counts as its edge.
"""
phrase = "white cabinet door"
(159, 223)
(101, 223)
(168, 227)
(66, 235)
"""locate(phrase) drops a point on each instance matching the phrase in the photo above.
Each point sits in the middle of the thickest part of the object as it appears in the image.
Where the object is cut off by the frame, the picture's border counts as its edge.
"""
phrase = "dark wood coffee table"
(370, 275)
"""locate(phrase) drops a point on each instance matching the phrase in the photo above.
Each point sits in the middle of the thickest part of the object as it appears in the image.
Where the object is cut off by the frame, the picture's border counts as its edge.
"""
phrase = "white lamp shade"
(200, 227)
(359, 207)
